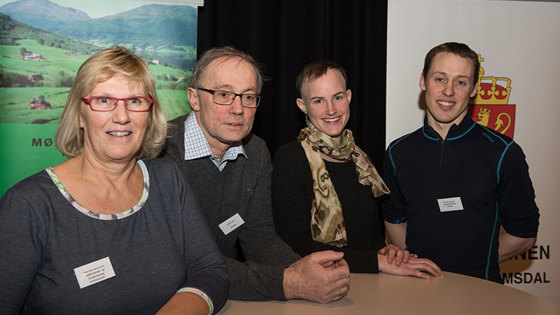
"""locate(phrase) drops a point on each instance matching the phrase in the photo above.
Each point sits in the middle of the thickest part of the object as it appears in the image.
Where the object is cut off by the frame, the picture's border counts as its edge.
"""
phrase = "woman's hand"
(393, 253)
(417, 267)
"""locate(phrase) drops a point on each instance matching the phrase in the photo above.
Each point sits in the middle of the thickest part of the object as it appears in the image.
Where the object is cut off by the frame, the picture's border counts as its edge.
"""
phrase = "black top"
(483, 169)
(292, 195)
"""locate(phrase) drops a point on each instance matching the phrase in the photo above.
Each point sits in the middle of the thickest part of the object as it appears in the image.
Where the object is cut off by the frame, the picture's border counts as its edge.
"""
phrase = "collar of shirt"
(196, 145)
(455, 131)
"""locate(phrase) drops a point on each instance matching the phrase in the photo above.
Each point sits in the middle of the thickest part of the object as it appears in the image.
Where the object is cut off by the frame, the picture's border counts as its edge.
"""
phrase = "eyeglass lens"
(108, 103)
(227, 98)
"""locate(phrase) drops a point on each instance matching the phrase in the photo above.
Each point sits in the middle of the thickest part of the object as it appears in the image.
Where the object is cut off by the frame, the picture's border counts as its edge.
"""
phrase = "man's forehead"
(220, 70)
(455, 66)
(229, 59)
(218, 64)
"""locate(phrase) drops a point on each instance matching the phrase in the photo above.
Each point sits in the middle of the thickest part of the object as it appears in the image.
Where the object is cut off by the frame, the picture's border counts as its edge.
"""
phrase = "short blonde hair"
(98, 68)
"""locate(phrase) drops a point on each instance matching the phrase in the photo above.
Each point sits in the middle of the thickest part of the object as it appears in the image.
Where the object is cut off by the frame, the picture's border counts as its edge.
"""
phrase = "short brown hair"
(315, 70)
(459, 49)
(199, 71)
(98, 68)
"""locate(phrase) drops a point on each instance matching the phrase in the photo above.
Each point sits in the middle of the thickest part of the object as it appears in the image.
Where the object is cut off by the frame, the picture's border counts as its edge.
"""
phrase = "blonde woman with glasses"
(109, 230)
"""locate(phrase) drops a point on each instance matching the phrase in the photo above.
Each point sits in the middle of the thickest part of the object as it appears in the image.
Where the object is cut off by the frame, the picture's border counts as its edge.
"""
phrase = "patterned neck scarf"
(327, 222)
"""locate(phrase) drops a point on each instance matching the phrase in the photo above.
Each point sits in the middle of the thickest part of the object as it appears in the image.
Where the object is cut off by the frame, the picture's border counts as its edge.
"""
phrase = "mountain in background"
(43, 14)
(11, 31)
(152, 25)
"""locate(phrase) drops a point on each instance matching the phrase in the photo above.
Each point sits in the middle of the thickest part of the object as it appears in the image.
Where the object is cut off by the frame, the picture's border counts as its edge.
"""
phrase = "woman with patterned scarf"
(324, 172)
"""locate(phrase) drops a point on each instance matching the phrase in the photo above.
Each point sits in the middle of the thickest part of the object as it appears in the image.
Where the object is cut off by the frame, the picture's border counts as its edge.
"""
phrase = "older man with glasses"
(230, 172)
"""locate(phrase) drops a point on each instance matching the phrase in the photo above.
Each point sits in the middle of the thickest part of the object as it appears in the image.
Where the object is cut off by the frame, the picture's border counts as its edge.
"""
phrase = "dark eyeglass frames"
(223, 97)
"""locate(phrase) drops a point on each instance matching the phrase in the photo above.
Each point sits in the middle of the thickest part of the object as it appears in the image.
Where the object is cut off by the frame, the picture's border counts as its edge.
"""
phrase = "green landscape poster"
(42, 45)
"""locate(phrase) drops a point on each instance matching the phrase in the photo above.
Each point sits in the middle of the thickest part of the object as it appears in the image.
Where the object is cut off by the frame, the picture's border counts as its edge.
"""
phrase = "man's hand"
(321, 277)
(393, 253)
(418, 267)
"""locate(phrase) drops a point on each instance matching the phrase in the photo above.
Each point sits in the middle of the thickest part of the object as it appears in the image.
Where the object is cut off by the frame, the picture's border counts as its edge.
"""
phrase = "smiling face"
(448, 88)
(326, 101)
(116, 135)
(225, 125)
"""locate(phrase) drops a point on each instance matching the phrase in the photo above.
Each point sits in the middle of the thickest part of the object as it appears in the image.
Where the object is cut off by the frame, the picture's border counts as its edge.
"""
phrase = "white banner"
(518, 41)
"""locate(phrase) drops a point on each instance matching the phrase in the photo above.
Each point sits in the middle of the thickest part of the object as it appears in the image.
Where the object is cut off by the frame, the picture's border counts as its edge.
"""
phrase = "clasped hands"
(395, 261)
(321, 277)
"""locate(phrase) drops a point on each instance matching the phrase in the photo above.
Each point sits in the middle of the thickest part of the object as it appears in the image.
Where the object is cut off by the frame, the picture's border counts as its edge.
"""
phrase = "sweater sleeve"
(251, 281)
(22, 236)
(516, 196)
(292, 196)
(206, 269)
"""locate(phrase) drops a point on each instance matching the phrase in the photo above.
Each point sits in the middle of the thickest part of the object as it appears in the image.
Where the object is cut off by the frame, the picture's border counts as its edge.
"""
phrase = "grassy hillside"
(57, 59)
(174, 103)
(14, 105)
(60, 59)
(56, 68)
(54, 60)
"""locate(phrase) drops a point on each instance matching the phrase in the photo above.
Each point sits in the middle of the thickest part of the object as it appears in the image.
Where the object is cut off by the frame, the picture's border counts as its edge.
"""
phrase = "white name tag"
(450, 204)
(231, 224)
(94, 272)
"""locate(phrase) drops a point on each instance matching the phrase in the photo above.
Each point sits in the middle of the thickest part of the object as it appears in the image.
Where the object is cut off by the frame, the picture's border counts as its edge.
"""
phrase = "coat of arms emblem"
(490, 106)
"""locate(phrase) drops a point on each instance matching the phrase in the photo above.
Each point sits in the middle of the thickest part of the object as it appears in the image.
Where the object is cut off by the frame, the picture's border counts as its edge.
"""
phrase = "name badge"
(450, 204)
(94, 272)
(231, 224)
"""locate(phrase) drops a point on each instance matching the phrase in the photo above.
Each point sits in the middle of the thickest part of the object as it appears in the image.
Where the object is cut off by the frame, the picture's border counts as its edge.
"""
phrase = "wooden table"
(386, 294)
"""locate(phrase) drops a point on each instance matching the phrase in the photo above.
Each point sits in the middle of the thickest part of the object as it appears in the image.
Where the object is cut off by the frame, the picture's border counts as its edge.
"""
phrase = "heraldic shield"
(490, 106)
